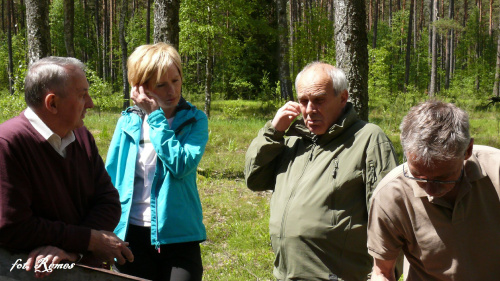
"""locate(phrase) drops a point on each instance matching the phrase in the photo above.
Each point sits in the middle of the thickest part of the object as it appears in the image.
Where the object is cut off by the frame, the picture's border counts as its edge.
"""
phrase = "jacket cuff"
(156, 117)
(271, 132)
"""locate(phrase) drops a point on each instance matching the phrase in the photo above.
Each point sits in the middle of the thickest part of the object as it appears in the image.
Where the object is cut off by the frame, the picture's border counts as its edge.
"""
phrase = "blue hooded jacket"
(176, 214)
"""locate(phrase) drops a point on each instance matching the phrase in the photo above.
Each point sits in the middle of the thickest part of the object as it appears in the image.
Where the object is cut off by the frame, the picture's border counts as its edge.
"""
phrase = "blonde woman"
(152, 161)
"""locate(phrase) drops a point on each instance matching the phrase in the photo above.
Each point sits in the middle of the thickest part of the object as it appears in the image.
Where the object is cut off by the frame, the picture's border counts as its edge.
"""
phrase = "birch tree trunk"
(284, 68)
(352, 50)
(166, 22)
(37, 18)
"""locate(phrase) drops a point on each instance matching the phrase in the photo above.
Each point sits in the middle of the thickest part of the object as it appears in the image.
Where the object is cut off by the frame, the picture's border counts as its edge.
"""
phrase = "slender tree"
(408, 45)
(10, 68)
(283, 56)
(148, 21)
(352, 50)
(123, 46)
(166, 22)
(433, 83)
(69, 20)
(375, 24)
(449, 46)
(37, 15)
(496, 86)
(208, 68)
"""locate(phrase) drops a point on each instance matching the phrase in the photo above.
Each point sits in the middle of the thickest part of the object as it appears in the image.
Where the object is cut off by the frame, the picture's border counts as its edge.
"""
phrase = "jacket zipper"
(157, 244)
(292, 195)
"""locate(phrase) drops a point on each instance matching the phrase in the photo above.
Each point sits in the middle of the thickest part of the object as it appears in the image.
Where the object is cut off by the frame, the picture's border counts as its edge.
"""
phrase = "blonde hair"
(148, 60)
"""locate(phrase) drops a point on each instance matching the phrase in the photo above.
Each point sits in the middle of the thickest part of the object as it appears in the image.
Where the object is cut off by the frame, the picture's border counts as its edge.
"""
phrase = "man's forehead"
(312, 95)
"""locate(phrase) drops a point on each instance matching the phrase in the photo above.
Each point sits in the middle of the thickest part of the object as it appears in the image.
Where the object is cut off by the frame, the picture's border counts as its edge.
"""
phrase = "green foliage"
(102, 93)
(11, 105)
(243, 43)
(312, 39)
(19, 48)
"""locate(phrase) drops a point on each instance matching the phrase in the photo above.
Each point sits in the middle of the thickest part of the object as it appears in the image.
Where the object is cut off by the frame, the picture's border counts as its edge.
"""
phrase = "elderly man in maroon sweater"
(56, 198)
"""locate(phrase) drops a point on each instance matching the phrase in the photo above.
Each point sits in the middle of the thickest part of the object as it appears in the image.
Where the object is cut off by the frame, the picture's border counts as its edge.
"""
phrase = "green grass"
(238, 246)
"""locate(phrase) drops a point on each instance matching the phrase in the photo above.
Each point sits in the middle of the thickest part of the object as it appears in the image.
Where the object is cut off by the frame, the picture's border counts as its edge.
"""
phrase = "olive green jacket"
(321, 190)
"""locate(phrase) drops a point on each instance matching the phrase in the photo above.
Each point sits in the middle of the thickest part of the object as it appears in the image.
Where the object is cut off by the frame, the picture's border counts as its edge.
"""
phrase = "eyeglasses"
(433, 181)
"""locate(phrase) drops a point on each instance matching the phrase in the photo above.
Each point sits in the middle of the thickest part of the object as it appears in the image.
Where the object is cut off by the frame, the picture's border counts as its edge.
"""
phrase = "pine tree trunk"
(408, 45)
(3, 16)
(283, 56)
(9, 43)
(98, 36)
(105, 32)
(123, 46)
(37, 15)
(166, 22)
(449, 46)
(352, 50)
(208, 69)
(375, 24)
(69, 19)
(433, 83)
(496, 86)
(148, 22)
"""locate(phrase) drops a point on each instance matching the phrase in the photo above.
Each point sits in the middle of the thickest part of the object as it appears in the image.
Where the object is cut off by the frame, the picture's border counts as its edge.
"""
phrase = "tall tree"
(148, 22)
(9, 43)
(496, 85)
(37, 17)
(375, 25)
(449, 46)
(123, 46)
(284, 68)
(352, 50)
(69, 20)
(408, 45)
(433, 83)
(208, 68)
(166, 22)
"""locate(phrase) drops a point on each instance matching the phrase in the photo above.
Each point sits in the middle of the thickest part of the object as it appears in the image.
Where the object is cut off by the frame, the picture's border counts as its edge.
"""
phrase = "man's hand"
(144, 99)
(285, 116)
(383, 270)
(41, 258)
(107, 246)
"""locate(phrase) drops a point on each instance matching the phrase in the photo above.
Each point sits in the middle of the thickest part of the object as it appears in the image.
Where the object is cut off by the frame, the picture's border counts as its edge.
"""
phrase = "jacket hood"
(348, 118)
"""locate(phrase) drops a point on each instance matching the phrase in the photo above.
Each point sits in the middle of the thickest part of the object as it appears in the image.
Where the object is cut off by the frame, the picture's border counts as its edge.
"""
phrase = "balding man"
(322, 175)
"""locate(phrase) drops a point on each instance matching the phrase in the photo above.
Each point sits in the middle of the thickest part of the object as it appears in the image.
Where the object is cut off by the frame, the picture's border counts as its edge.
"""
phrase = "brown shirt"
(441, 241)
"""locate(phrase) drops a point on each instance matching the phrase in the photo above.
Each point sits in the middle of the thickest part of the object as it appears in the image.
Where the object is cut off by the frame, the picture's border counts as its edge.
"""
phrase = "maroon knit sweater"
(46, 199)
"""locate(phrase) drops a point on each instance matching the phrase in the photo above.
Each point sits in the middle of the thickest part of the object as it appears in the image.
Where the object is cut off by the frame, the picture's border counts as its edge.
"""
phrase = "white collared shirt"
(55, 140)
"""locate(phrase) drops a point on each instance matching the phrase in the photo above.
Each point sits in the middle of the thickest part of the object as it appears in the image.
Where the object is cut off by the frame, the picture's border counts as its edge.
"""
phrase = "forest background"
(240, 58)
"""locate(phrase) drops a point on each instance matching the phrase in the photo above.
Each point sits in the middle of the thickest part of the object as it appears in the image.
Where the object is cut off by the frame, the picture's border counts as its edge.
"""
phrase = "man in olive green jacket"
(322, 176)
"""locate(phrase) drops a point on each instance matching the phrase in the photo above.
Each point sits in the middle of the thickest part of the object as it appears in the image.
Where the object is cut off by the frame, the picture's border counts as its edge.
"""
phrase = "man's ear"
(344, 96)
(468, 152)
(50, 102)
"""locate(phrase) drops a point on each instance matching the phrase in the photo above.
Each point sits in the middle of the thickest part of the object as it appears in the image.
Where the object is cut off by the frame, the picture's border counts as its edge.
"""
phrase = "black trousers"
(176, 262)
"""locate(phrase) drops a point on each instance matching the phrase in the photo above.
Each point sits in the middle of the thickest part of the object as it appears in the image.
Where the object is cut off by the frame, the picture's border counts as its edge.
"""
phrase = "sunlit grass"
(238, 245)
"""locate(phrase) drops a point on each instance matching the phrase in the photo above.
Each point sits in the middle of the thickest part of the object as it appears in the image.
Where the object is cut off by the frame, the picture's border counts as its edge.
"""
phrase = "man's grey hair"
(339, 80)
(48, 74)
(435, 131)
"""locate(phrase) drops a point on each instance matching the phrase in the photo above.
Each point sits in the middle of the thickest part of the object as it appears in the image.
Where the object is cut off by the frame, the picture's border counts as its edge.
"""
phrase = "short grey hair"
(48, 74)
(435, 131)
(339, 80)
